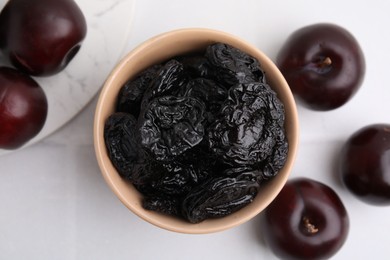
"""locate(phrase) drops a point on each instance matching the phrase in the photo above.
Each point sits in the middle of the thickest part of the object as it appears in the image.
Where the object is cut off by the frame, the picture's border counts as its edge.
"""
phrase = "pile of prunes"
(198, 134)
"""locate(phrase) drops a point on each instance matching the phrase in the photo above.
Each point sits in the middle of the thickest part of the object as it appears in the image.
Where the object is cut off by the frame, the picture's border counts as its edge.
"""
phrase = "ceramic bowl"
(157, 50)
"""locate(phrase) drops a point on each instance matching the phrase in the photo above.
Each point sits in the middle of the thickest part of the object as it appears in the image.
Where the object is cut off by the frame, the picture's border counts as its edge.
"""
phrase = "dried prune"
(131, 94)
(170, 78)
(179, 178)
(176, 177)
(250, 130)
(211, 93)
(120, 135)
(219, 197)
(197, 66)
(163, 204)
(232, 66)
(199, 161)
(172, 125)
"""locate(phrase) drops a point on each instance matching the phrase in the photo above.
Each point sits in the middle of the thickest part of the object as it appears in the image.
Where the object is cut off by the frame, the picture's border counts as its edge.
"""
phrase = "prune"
(131, 94)
(171, 126)
(197, 66)
(122, 142)
(170, 78)
(199, 134)
(156, 178)
(232, 66)
(164, 184)
(171, 180)
(219, 197)
(250, 130)
(188, 165)
(162, 204)
(208, 91)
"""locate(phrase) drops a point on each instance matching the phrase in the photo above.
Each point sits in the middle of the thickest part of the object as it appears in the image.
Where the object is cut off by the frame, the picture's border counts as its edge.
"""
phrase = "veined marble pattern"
(109, 25)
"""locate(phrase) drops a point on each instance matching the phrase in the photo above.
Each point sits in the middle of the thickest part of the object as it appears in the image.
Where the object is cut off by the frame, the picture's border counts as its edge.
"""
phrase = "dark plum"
(365, 164)
(41, 37)
(323, 64)
(307, 220)
(23, 108)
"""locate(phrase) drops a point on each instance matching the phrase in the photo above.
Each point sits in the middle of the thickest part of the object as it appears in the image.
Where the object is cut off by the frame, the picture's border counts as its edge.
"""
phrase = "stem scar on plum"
(308, 227)
(325, 62)
(321, 65)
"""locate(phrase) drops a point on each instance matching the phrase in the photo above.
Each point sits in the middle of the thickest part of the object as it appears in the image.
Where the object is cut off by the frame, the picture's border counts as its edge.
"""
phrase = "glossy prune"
(122, 142)
(171, 126)
(172, 178)
(162, 204)
(170, 78)
(164, 184)
(219, 197)
(211, 93)
(250, 130)
(176, 178)
(197, 66)
(156, 179)
(131, 94)
(232, 66)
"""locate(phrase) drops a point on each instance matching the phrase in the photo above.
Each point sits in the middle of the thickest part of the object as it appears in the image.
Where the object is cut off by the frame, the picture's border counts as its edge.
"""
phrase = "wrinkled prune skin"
(232, 66)
(120, 135)
(174, 178)
(199, 134)
(131, 94)
(159, 179)
(211, 93)
(219, 197)
(163, 204)
(189, 165)
(170, 78)
(250, 130)
(197, 66)
(165, 184)
(172, 125)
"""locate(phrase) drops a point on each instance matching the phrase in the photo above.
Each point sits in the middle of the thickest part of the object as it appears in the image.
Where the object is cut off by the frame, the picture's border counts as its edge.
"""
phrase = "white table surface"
(56, 205)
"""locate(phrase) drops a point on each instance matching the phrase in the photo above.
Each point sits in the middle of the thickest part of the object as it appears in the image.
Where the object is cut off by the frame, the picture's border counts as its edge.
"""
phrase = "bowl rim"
(100, 149)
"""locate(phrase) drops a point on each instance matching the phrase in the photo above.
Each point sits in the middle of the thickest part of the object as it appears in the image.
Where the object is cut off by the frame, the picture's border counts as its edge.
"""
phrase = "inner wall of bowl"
(157, 50)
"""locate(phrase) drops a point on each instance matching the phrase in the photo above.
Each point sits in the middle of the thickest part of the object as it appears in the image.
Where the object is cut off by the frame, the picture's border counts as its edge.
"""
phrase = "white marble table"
(56, 205)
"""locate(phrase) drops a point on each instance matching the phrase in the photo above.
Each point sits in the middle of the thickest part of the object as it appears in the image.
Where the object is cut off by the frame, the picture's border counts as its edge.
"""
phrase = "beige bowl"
(156, 50)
